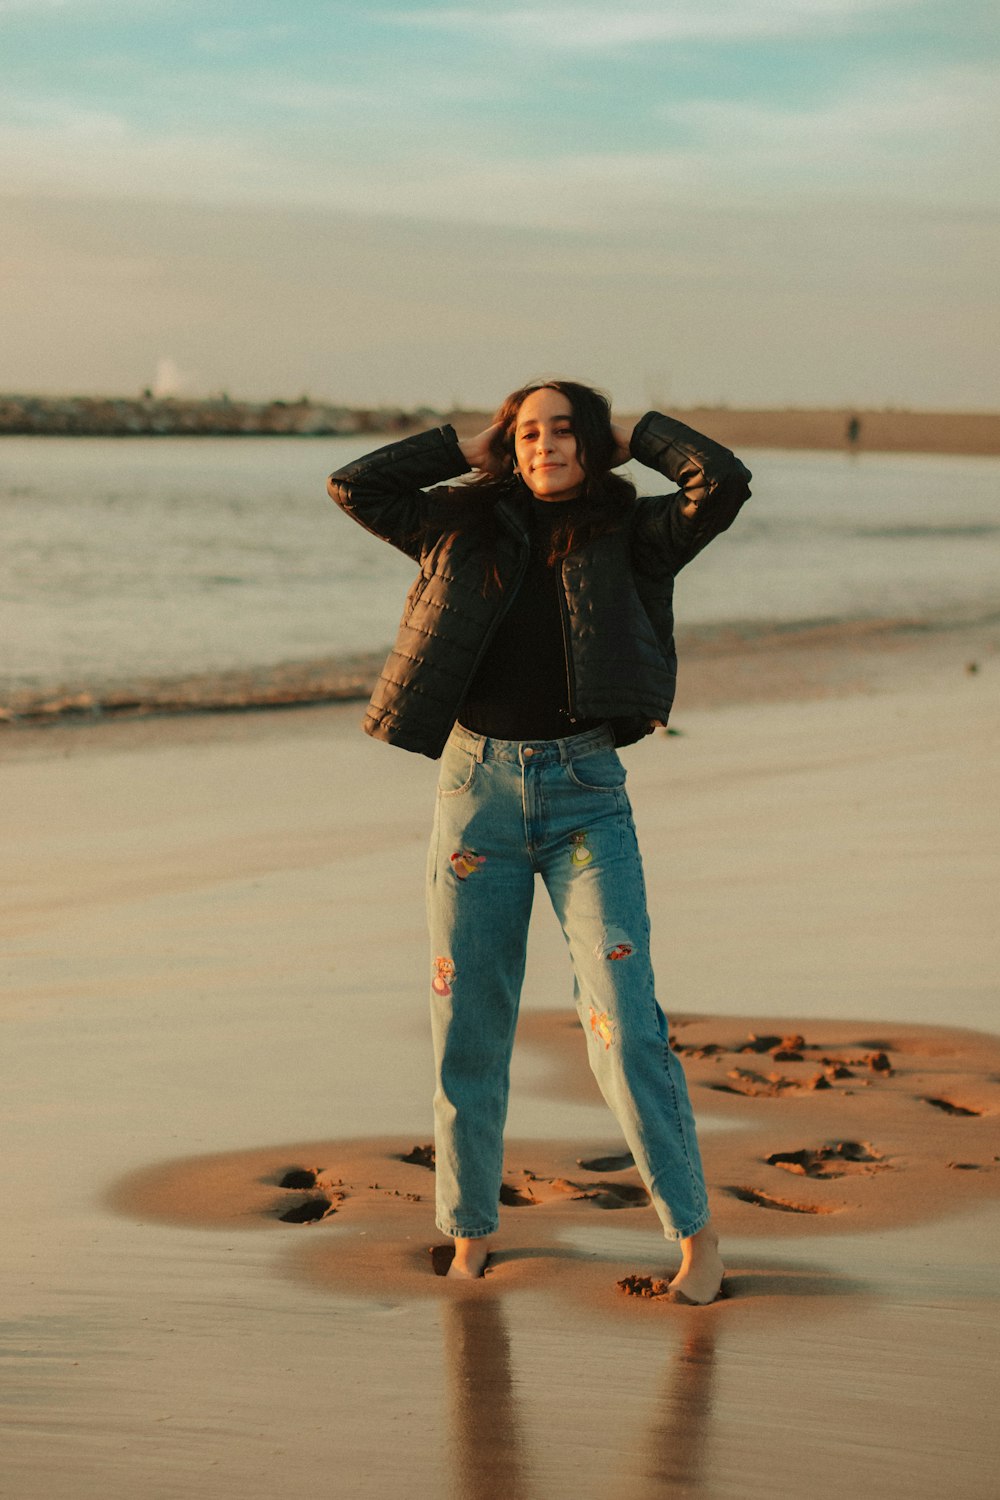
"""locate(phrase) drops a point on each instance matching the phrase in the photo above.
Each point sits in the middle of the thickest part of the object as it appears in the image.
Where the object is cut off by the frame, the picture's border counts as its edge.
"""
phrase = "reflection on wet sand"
(489, 1456)
(681, 1423)
(486, 1443)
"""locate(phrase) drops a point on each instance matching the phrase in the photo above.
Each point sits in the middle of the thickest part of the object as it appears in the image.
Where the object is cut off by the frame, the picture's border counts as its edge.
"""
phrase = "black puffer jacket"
(617, 591)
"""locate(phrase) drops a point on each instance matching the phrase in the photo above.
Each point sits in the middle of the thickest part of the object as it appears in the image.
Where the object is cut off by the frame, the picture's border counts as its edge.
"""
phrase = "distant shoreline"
(875, 431)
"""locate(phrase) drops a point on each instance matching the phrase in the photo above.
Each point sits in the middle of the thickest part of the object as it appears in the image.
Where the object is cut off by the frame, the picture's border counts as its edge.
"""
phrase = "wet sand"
(214, 952)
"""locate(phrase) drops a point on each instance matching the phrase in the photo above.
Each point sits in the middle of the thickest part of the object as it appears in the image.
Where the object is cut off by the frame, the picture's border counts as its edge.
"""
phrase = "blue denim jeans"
(508, 810)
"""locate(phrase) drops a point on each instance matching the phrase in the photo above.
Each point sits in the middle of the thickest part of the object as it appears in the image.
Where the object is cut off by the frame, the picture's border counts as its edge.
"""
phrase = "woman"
(537, 638)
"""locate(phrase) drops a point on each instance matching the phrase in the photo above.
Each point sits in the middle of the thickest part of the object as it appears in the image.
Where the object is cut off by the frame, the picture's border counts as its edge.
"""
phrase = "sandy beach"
(215, 977)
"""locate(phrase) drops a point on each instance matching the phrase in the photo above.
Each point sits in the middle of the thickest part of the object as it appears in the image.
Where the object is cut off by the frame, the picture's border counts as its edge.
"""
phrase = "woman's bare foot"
(699, 1279)
(470, 1259)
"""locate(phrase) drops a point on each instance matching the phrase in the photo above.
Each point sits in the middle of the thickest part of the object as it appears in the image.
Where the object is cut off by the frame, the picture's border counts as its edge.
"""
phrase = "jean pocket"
(458, 769)
(597, 770)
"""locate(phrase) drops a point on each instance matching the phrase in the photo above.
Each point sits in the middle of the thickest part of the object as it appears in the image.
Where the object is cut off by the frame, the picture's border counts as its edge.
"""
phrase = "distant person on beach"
(853, 431)
(537, 638)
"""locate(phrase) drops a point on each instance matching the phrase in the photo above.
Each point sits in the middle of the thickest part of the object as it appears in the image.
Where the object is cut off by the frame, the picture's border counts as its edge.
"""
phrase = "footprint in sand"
(841, 1159)
(755, 1043)
(420, 1156)
(534, 1190)
(952, 1109)
(754, 1085)
(619, 1163)
(512, 1197)
(783, 1205)
(613, 1195)
(872, 1057)
(308, 1210)
(299, 1178)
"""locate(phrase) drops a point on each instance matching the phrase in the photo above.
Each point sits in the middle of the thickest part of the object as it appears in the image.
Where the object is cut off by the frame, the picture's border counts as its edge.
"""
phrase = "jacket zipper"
(508, 600)
(564, 621)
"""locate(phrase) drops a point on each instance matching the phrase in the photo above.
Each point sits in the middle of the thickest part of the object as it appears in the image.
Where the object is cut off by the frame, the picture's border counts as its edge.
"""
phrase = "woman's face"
(545, 446)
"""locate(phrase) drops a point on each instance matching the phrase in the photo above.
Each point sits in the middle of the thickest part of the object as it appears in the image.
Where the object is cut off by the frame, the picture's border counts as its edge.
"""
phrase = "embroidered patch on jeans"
(582, 853)
(465, 863)
(602, 1028)
(444, 971)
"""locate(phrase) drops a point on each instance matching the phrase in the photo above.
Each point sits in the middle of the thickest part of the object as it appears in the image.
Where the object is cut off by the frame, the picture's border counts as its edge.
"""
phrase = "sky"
(750, 202)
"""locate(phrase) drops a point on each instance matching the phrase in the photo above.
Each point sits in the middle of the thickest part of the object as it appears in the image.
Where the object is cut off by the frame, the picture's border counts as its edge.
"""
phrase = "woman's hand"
(479, 452)
(623, 444)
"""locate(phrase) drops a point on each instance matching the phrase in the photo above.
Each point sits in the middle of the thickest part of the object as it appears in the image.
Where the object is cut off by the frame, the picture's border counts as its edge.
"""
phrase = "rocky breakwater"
(171, 416)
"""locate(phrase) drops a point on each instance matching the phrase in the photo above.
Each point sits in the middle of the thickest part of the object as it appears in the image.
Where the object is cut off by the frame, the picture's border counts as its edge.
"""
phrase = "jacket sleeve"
(710, 477)
(384, 491)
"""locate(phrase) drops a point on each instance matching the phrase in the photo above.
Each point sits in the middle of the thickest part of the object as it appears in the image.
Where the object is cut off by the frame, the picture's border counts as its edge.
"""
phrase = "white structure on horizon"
(170, 379)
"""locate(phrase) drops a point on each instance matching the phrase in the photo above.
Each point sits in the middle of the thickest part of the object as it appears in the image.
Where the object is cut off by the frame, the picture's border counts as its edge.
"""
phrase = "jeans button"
(528, 750)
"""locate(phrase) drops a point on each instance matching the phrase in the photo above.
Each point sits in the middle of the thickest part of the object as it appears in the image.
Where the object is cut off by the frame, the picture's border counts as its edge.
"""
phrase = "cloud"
(231, 41)
(594, 27)
(32, 7)
(36, 9)
(926, 136)
(929, 131)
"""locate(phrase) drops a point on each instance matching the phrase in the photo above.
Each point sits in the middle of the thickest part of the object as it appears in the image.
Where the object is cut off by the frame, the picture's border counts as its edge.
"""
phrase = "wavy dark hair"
(604, 499)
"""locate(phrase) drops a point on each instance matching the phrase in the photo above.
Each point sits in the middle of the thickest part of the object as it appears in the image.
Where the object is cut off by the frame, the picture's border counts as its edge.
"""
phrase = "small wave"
(351, 678)
(973, 531)
(286, 685)
(802, 631)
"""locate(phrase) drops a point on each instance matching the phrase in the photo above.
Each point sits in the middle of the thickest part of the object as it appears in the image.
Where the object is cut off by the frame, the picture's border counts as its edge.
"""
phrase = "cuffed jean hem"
(673, 1235)
(455, 1233)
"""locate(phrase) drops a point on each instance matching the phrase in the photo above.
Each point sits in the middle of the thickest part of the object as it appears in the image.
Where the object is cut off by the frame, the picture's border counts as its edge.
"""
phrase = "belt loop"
(471, 741)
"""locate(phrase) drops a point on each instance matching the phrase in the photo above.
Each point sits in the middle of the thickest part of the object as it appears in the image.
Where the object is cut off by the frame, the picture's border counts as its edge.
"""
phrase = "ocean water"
(129, 559)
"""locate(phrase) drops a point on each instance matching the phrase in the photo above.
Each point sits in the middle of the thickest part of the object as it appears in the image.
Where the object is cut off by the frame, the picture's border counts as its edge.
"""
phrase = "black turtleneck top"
(521, 689)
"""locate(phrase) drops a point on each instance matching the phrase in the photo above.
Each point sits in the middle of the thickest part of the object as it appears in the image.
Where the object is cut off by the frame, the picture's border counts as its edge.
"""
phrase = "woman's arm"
(384, 491)
(713, 487)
